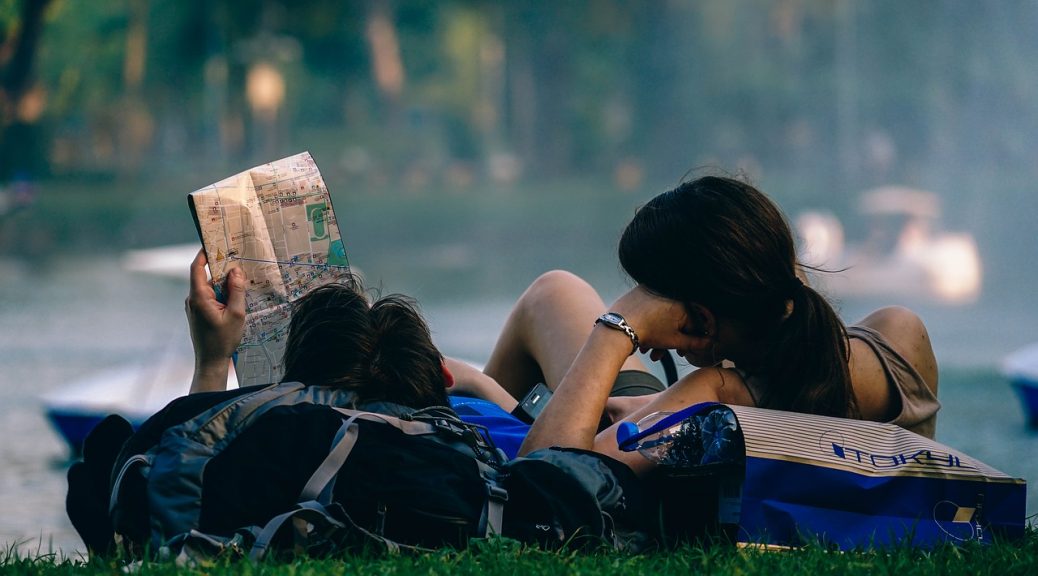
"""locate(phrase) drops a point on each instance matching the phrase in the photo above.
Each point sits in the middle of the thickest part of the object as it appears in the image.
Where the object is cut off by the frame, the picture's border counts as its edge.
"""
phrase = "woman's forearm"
(572, 416)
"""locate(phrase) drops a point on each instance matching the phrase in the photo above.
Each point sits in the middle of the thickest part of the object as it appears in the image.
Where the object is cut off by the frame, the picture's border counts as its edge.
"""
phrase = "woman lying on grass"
(718, 282)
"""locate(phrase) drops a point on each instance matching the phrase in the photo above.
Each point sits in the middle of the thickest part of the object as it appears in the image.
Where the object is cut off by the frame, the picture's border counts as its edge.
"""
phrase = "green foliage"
(712, 80)
(821, 98)
(80, 57)
(9, 17)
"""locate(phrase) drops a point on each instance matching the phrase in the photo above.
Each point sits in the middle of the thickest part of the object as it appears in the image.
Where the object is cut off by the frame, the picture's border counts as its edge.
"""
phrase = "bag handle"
(319, 486)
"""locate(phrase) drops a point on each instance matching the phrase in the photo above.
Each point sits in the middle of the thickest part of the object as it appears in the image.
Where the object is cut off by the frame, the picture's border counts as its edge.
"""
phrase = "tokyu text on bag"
(782, 478)
(288, 468)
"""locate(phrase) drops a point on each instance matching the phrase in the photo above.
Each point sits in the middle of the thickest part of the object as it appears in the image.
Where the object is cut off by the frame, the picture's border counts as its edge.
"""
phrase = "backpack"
(290, 468)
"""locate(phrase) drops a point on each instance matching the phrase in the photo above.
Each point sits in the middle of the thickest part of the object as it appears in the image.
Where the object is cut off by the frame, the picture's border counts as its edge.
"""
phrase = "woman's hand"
(660, 323)
(216, 328)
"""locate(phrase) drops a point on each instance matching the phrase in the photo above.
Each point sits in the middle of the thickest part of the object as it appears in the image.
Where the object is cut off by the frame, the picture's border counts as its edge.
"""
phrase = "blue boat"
(134, 391)
(1021, 368)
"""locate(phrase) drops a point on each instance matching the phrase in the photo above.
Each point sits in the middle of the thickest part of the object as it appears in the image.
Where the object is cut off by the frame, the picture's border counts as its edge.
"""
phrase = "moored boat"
(134, 391)
(1021, 368)
(906, 254)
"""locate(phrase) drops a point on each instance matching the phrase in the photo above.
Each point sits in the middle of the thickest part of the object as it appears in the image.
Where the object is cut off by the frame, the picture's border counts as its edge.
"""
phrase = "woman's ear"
(702, 321)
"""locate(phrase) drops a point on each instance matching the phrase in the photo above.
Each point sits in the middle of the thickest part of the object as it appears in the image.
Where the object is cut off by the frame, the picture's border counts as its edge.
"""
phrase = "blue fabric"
(853, 510)
(506, 430)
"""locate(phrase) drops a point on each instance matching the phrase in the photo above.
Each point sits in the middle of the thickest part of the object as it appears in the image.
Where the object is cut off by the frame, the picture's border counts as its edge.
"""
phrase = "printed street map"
(276, 222)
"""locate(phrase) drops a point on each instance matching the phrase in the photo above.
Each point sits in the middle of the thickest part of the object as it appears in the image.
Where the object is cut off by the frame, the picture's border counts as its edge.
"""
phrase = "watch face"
(612, 318)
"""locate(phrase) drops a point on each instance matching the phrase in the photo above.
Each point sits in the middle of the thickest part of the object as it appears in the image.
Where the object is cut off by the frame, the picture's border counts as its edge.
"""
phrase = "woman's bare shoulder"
(712, 384)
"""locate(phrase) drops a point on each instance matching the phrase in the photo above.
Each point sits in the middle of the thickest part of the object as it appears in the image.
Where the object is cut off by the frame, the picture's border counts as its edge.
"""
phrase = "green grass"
(508, 558)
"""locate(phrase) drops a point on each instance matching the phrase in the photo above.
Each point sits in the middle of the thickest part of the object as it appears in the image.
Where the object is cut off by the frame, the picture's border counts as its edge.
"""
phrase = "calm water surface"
(69, 318)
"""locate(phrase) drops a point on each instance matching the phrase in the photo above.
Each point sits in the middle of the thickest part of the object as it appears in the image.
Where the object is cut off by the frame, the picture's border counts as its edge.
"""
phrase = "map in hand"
(276, 223)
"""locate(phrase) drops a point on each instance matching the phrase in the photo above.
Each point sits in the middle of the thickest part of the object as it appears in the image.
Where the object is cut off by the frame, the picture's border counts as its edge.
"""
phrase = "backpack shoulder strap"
(213, 426)
(321, 483)
(319, 486)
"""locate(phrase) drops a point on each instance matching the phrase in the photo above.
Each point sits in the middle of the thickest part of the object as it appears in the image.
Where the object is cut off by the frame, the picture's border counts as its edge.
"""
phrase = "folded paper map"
(276, 222)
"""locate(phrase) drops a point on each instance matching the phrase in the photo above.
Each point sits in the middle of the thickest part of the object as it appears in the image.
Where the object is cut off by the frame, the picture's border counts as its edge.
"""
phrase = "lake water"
(67, 318)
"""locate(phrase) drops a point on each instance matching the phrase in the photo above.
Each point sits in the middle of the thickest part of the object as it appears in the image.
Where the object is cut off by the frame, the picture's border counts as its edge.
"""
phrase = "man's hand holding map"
(276, 222)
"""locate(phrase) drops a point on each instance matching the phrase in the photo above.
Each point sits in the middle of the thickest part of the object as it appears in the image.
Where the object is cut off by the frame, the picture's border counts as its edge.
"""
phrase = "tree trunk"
(15, 85)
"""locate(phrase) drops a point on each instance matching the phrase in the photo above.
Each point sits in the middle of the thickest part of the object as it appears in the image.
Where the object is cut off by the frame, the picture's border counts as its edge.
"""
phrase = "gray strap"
(220, 424)
(143, 459)
(318, 487)
(409, 427)
(305, 512)
(496, 498)
(432, 429)
(266, 535)
(492, 518)
(323, 477)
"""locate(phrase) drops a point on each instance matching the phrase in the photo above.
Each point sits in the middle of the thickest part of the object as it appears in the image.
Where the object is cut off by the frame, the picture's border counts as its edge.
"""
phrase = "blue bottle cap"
(623, 433)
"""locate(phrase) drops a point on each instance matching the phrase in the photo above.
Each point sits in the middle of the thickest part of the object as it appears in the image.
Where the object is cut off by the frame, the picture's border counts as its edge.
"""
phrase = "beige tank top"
(919, 405)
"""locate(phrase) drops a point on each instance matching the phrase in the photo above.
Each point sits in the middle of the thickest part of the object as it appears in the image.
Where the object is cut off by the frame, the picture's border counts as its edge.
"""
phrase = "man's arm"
(470, 381)
(216, 328)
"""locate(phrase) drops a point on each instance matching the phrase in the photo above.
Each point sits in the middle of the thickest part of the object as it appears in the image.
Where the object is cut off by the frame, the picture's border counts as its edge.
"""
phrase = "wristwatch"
(617, 322)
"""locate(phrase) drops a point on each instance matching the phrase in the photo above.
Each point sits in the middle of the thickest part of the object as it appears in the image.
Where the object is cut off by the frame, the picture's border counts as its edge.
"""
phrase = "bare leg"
(547, 327)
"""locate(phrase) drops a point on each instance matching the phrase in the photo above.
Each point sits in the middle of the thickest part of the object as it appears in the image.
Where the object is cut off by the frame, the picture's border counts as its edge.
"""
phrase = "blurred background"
(470, 145)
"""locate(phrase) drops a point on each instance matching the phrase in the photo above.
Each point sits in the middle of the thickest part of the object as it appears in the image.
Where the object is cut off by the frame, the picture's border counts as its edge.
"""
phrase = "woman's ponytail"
(806, 364)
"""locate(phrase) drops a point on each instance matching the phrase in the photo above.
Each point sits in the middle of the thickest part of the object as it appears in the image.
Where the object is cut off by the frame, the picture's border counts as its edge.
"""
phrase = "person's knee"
(556, 285)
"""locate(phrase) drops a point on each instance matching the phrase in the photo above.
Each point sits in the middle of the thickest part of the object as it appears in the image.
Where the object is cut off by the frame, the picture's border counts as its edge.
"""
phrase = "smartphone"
(535, 400)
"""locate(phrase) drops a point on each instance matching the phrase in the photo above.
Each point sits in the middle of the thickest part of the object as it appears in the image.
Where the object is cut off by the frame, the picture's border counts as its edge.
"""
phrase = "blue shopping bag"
(786, 479)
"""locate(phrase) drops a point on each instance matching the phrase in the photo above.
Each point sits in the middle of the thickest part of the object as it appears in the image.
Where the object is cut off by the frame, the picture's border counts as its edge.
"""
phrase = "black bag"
(576, 499)
(288, 468)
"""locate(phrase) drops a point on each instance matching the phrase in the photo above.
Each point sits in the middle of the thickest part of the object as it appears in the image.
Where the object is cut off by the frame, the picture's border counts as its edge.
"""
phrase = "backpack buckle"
(497, 493)
(450, 426)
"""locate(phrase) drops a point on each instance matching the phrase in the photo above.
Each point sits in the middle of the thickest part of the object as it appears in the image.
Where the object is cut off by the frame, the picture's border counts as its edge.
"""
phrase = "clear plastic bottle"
(684, 439)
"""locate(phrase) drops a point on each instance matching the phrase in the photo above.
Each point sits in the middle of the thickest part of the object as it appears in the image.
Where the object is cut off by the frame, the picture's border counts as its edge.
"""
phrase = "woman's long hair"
(723, 244)
(381, 350)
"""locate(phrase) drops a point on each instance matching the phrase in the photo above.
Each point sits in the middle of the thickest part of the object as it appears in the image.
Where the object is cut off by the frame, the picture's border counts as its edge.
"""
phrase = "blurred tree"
(21, 99)
(136, 126)
(819, 97)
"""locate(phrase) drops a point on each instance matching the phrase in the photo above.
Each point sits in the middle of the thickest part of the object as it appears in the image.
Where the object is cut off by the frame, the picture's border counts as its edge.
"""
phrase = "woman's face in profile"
(700, 358)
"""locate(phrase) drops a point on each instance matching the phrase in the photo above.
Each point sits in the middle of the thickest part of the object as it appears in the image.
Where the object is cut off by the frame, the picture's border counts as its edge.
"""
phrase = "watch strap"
(618, 322)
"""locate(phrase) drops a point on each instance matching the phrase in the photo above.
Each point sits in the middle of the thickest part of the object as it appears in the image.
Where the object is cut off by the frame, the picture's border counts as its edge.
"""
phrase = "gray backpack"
(296, 469)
